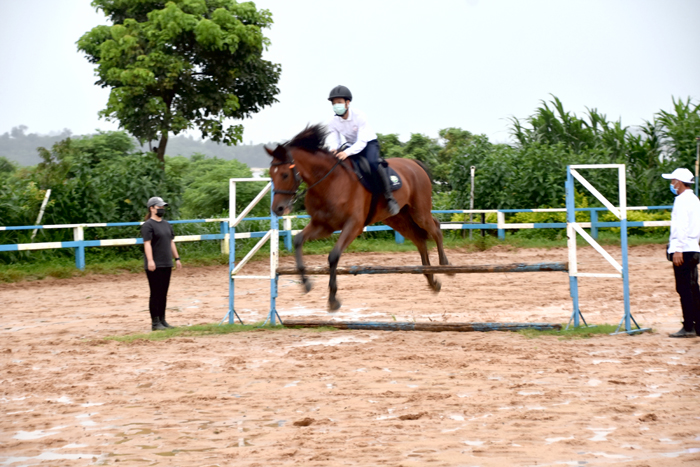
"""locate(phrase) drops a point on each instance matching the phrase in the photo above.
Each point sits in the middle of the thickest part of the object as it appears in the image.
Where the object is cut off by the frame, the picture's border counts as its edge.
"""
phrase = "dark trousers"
(687, 287)
(158, 282)
(371, 152)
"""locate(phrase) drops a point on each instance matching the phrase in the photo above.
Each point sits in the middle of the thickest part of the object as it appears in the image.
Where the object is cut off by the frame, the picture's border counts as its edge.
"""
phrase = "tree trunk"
(160, 150)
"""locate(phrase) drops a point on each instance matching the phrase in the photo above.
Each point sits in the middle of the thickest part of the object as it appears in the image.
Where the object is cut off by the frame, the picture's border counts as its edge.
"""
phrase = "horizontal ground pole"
(427, 327)
(354, 270)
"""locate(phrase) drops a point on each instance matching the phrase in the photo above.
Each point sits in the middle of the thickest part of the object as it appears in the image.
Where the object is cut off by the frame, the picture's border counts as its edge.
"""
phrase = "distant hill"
(21, 147)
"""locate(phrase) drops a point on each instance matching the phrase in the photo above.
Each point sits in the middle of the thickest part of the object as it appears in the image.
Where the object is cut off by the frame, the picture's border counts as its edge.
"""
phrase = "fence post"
(501, 216)
(594, 224)
(79, 236)
(287, 227)
(224, 241)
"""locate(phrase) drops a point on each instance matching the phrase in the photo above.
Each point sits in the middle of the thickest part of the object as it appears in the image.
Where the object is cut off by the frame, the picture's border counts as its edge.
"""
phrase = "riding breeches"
(371, 152)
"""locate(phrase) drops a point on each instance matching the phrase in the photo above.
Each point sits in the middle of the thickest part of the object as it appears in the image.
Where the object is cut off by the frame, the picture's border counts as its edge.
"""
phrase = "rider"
(353, 126)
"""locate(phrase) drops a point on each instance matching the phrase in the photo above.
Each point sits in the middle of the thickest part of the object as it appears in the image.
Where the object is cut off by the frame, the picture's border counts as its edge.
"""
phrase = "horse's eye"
(285, 176)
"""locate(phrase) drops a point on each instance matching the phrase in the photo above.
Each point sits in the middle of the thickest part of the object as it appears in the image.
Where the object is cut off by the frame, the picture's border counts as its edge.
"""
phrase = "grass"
(207, 330)
(581, 332)
(108, 261)
(216, 329)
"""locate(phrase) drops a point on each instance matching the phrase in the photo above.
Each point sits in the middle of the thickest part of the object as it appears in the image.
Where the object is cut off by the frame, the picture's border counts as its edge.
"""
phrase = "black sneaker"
(683, 333)
(157, 326)
(165, 323)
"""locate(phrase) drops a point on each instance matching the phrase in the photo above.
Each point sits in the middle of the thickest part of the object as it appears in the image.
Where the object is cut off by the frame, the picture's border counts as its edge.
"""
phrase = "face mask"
(673, 189)
(339, 109)
(160, 212)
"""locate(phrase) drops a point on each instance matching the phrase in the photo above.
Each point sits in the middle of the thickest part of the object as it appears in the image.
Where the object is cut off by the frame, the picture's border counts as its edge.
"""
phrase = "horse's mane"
(312, 139)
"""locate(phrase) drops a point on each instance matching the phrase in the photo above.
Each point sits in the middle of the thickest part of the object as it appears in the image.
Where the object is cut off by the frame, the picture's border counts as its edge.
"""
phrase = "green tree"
(181, 64)
(206, 188)
(390, 145)
(679, 130)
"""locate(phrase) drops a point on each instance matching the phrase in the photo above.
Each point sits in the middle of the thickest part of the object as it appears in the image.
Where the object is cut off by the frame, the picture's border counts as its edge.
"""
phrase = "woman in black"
(159, 248)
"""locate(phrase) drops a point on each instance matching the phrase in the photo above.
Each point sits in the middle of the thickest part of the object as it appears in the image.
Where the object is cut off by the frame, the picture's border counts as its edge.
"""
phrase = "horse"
(335, 200)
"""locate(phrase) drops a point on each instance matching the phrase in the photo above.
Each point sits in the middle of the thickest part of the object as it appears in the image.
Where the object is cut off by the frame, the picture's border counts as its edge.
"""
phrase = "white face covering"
(339, 109)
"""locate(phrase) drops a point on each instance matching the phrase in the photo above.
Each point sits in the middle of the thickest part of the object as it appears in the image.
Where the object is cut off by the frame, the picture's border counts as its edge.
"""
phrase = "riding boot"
(157, 326)
(392, 205)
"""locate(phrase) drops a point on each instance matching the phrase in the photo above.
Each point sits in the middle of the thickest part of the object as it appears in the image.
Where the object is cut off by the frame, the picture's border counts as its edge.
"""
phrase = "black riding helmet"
(340, 91)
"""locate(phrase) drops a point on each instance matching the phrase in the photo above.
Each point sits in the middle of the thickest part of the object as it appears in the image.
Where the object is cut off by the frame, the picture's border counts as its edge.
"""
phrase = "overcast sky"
(412, 66)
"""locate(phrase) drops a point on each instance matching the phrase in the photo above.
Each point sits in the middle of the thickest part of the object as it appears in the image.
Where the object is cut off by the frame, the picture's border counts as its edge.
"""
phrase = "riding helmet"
(340, 91)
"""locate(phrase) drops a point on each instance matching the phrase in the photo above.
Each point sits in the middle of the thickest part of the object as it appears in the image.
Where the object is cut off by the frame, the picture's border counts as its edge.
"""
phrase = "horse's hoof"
(333, 305)
(308, 284)
(436, 286)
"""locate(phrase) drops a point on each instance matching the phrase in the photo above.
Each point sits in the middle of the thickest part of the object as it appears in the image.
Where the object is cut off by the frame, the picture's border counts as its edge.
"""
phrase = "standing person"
(353, 126)
(159, 250)
(684, 249)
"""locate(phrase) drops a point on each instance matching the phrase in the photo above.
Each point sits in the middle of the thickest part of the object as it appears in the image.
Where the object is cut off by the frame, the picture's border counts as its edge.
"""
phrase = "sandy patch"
(350, 397)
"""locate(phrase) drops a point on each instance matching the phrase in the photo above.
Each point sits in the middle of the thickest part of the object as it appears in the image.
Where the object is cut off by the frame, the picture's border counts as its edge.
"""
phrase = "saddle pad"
(371, 180)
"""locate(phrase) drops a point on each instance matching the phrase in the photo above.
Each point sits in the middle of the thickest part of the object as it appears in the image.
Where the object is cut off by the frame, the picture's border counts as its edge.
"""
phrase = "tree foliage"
(181, 64)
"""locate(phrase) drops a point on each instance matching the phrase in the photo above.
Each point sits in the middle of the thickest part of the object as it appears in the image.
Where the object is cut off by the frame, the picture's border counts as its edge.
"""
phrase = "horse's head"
(286, 179)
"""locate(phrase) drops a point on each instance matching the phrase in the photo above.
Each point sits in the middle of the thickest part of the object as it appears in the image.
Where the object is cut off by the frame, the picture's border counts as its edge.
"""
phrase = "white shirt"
(355, 130)
(685, 223)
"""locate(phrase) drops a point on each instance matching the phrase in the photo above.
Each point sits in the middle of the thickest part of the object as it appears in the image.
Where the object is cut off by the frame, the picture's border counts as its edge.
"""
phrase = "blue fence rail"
(79, 243)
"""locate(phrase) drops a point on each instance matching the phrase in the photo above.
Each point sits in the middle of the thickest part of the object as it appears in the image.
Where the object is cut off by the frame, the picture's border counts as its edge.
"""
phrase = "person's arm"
(148, 249)
(147, 234)
(365, 134)
(681, 228)
(173, 248)
(333, 138)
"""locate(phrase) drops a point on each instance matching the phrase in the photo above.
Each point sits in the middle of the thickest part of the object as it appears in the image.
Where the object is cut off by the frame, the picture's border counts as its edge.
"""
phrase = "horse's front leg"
(350, 232)
(312, 231)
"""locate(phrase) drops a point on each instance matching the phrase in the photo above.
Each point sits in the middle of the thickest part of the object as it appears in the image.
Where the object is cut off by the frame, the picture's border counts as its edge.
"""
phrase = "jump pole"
(425, 327)
(470, 269)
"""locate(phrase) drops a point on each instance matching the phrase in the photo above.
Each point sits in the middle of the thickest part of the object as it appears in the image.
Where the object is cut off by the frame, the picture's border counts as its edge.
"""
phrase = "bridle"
(297, 180)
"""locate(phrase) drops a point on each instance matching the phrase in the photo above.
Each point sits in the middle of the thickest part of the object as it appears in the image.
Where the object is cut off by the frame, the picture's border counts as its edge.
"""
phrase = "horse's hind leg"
(405, 225)
(349, 233)
(431, 225)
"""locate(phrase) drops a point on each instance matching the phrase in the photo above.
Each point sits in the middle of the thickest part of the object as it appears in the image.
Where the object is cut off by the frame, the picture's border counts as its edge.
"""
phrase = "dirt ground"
(298, 397)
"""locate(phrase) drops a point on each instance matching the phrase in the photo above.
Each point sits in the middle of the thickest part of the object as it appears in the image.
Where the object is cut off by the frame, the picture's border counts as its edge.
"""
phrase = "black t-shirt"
(160, 234)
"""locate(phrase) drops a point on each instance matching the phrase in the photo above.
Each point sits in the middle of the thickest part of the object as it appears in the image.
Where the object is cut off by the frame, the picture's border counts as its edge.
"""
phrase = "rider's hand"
(334, 151)
(342, 155)
(678, 258)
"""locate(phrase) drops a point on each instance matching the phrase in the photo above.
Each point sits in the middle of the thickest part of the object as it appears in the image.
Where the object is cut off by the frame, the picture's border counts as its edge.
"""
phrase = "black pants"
(158, 282)
(687, 288)
(371, 152)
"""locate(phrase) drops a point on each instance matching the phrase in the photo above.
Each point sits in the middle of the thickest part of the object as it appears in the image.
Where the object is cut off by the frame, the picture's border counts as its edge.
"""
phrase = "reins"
(297, 177)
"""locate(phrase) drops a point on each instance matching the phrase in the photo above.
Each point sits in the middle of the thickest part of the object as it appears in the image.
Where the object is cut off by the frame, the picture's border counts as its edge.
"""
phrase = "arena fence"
(79, 244)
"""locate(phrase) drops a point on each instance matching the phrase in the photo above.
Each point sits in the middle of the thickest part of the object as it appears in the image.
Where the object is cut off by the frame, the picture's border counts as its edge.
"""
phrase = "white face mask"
(339, 109)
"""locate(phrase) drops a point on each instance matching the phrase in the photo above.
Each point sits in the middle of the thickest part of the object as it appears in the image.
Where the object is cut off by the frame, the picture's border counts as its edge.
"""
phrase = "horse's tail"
(424, 167)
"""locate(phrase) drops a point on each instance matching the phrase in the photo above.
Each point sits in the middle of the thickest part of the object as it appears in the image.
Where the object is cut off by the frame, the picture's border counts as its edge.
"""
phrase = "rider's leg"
(372, 154)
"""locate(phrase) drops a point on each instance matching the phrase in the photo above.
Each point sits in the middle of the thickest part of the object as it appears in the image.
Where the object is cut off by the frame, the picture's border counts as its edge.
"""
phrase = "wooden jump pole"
(429, 327)
(488, 268)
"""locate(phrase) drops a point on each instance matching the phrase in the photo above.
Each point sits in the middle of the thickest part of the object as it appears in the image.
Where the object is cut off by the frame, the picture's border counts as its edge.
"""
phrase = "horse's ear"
(279, 152)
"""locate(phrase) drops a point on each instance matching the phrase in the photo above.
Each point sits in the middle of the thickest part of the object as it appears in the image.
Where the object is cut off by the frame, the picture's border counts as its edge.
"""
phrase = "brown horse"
(336, 200)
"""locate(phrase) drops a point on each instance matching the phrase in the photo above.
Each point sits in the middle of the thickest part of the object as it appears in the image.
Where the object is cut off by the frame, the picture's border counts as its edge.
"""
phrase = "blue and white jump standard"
(272, 235)
(574, 228)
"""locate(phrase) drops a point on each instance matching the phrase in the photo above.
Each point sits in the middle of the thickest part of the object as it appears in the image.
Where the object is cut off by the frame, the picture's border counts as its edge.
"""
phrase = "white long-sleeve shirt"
(355, 130)
(685, 223)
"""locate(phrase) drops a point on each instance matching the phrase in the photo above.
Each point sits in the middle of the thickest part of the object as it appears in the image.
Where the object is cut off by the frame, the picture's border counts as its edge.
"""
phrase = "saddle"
(370, 179)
